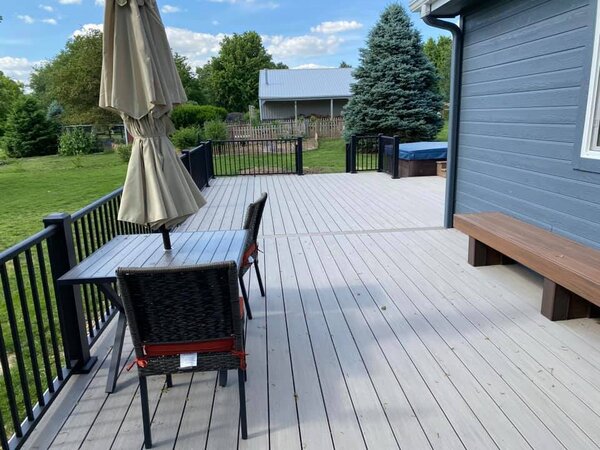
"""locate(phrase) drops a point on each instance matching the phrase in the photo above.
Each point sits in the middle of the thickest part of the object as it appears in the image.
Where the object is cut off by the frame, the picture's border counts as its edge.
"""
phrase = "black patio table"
(146, 250)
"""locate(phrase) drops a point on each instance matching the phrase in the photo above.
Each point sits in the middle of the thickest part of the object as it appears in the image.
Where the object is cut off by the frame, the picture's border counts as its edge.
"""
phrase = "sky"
(301, 34)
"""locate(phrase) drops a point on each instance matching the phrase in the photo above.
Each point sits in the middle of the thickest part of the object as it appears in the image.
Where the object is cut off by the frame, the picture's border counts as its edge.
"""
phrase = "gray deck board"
(375, 333)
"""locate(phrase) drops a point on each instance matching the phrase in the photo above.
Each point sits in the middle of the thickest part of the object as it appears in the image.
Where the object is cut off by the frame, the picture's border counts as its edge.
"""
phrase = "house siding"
(524, 85)
(276, 110)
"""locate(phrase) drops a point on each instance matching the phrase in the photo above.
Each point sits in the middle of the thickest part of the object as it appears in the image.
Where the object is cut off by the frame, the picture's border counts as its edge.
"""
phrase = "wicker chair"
(252, 224)
(185, 310)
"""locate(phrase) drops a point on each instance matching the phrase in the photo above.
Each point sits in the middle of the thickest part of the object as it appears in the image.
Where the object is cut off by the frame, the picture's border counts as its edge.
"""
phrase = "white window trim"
(590, 147)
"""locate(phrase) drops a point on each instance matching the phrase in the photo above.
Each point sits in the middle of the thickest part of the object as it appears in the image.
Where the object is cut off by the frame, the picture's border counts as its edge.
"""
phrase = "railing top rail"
(94, 205)
(293, 139)
(26, 244)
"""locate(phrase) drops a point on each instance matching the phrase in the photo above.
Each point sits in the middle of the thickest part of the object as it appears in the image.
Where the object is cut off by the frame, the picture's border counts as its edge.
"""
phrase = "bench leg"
(483, 255)
(559, 303)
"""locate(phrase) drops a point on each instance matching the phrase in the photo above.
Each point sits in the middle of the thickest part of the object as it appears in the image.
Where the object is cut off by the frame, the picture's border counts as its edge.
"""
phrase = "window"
(590, 147)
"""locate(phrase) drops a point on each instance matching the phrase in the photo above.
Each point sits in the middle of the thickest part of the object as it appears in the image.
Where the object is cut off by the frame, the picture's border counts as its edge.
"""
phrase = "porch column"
(331, 109)
(296, 110)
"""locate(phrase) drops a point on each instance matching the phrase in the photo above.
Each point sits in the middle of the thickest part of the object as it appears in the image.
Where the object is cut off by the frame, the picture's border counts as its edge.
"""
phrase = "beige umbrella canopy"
(141, 83)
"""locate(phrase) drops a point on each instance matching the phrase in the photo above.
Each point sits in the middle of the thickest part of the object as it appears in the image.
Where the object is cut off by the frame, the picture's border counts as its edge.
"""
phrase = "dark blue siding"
(525, 81)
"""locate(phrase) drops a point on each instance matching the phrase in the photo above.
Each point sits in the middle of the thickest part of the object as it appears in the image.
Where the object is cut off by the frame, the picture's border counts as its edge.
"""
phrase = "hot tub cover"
(420, 151)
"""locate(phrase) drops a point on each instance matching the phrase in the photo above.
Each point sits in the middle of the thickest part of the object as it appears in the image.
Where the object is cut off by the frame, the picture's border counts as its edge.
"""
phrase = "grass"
(443, 134)
(34, 187)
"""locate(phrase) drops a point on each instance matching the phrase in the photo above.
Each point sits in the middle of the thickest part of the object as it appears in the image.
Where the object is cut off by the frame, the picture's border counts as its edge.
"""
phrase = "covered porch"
(374, 333)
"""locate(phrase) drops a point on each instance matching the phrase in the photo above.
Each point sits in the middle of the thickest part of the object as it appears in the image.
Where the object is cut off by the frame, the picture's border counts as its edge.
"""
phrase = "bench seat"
(571, 271)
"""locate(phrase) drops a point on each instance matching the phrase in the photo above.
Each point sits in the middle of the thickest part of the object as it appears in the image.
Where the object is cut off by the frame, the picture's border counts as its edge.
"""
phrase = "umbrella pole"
(166, 237)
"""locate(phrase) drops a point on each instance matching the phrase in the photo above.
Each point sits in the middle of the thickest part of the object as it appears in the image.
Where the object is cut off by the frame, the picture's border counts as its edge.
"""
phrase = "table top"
(146, 250)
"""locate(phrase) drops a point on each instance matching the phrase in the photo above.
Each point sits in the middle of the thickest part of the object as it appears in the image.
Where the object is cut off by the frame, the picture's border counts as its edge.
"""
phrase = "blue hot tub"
(421, 151)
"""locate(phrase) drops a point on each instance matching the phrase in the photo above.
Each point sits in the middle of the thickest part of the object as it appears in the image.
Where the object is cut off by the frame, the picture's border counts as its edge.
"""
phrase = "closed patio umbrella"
(141, 83)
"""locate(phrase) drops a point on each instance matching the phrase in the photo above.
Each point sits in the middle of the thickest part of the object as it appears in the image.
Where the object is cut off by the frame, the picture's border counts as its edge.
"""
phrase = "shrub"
(189, 115)
(77, 142)
(186, 137)
(123, 151)
(28, 132)
(215, 130)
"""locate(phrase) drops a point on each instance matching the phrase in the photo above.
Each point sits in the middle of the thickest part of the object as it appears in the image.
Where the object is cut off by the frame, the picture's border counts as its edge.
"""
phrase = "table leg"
(115, 360)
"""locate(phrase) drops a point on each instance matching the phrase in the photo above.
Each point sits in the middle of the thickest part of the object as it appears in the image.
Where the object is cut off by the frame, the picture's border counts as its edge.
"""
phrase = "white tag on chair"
(187, 360)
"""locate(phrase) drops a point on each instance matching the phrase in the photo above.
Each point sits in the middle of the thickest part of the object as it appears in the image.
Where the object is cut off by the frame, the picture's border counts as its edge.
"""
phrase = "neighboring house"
(527, 139)
(294, 93)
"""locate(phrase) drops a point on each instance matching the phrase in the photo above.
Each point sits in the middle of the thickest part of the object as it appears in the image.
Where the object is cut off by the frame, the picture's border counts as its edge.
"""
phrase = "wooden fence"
(286, 129)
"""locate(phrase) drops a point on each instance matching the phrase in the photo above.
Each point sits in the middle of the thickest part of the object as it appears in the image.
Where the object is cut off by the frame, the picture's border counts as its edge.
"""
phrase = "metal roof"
(295, 84)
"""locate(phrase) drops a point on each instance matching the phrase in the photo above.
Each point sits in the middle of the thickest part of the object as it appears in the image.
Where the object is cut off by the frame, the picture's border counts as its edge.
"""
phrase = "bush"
(186, 137)
(123, 151)
(215, 130)
(28, 132)
(189, 115)
(77, 142)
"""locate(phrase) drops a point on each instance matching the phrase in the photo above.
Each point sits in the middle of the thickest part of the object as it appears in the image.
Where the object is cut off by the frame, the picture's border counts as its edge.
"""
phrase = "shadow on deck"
(375, 332)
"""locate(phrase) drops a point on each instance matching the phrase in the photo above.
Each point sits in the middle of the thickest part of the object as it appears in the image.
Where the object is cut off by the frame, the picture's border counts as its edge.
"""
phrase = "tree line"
(400, 86)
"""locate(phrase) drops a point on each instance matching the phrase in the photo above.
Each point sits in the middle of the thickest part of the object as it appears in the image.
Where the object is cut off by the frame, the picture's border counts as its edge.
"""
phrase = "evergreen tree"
(28, 131)
(10, 91)
(396, 85)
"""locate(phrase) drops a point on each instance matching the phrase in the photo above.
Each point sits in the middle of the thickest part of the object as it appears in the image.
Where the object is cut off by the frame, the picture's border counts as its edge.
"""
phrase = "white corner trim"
(589, 148)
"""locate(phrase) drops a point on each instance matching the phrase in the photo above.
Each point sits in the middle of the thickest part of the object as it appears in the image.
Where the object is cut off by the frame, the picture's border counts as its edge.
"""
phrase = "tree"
(234, 71)
(439, 53)
(10, 92)
(28, 131)
(396, 85)
(345, 65)
(189, 80)
(72, 78)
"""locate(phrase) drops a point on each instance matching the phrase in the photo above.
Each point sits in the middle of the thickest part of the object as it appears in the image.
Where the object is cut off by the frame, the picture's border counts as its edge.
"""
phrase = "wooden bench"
(571, 271)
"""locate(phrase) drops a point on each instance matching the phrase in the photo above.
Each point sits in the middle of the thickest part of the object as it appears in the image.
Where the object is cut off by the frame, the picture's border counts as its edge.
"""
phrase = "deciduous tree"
(439, 52)
(234, 71)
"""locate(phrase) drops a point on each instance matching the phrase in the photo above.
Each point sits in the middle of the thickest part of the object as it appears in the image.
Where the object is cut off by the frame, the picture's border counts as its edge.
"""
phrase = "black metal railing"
(46, 329)
(32, 356)
(370, 153)
(199, 163)
(257, 157)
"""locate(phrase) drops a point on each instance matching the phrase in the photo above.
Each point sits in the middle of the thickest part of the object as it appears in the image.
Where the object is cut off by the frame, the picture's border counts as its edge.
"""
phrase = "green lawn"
(34, 187)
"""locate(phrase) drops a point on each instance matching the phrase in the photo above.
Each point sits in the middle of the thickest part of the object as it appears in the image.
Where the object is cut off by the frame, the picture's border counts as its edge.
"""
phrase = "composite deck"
(375, 332)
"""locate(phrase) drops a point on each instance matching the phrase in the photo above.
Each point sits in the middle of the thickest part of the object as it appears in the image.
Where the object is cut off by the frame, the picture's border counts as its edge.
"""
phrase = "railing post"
(207, 161)
(348, 168)
(353, 145)
(380, 150)
(211, 159)
(61, 252)
(396, 157)
(299, 161)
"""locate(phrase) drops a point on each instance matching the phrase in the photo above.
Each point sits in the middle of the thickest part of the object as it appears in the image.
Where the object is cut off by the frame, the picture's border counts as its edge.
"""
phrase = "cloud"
(47, 8)
(99, 2)
(215, 22)
(69, 2)
(17, 68)
(169, 9)
(312, 66)
(332, 27)
(197, 47)
(85, 29)
(301, 46)
(50, 21)
(253, 4)
(27, 19)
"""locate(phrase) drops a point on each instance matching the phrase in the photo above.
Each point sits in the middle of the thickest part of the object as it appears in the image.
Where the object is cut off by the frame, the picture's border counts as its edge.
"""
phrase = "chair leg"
(222, 378)
(245, 295)
(145, 412)
(242, 388)
(169, 381)
(259, 278)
